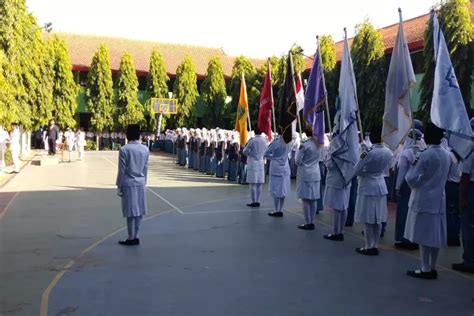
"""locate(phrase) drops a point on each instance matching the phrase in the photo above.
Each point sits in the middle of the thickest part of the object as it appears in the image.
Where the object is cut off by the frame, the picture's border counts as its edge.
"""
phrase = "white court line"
(153, 192)
(228, 211)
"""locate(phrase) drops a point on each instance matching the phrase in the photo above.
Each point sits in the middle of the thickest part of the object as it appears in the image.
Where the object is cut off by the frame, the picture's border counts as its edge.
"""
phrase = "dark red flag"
(264, 123)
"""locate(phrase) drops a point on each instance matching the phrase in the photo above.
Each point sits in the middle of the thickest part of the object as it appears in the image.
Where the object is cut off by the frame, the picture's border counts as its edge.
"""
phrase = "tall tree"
(65, 89)
(99, 91)
(328, 56)
(157, 83)
(186, 91)
(7, 116)
(455, 21)
(368, 55)
(214, 92)
(129, 110)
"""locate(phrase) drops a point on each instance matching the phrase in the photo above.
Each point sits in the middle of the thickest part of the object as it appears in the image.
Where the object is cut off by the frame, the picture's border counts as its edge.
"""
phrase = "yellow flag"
(242, 113)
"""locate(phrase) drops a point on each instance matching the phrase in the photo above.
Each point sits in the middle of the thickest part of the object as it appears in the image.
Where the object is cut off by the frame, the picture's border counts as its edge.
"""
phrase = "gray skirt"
(371, 209)
(426, 229)
(279, 186)
(308, 190)
(134, 201)
(337, 199)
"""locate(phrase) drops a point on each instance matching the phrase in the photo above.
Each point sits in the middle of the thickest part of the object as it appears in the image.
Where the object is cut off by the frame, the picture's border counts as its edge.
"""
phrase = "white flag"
(397, 118)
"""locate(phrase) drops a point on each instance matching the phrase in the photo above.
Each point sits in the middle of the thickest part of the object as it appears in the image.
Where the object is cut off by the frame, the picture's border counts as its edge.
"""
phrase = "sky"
(254, 28)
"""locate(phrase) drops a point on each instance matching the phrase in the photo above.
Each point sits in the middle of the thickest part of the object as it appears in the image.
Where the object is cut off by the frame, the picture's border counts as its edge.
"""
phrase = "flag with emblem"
(242, 113)
(447, 106)
(266, 106)
(288, 103)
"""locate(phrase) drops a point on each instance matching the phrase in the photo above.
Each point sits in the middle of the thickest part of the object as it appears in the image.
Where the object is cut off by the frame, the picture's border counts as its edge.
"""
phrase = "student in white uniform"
(70, 140)
(81, 142)
(15, 147)
(426, 219)
(308, 178)
(131, 183)
(371, 204)
(279, 185)
(254, 150)
(4, 139)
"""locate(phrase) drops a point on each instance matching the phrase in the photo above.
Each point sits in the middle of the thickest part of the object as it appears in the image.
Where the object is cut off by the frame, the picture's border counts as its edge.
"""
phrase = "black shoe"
(129, 242)
(335, 237)
(276, 214)
(253, 204)
(368, 252)
(406, 246)
(306, 226)
(462, 267)
(432, 275)
(454, 242)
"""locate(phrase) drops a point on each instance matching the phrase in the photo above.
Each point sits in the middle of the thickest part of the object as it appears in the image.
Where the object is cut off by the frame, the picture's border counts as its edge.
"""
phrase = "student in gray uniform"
(254, 150)
(371, 204)
(279, 187)
(466, 205)
(308, 178)
(131, 183)
(426, 219)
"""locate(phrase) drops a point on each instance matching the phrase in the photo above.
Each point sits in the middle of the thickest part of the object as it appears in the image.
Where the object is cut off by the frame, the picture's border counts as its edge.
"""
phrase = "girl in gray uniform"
(308, 179)
(278, 152)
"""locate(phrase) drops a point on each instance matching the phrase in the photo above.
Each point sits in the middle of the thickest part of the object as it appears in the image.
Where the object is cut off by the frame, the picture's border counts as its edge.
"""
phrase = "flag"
(242, 114)
(299, 102)
(397, 119)
(288, 103)
(264, 123)
(447, 106)
(344, 148)
(314, 99)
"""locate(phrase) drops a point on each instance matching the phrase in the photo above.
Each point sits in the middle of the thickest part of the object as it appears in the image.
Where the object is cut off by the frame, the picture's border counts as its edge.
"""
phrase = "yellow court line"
(389, 248)
(8, 205)
(52, 284)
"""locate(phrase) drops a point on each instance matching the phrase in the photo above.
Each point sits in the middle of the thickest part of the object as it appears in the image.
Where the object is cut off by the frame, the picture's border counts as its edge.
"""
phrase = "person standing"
(15, 147)
(233, 150)
(131, 183)
(254, 151)
(371, 204)
(81, 142)
(278, 152)
(220, 154)
(4, 139)
(308, 178)
(426, 219)
(53, 135)
(70, 140)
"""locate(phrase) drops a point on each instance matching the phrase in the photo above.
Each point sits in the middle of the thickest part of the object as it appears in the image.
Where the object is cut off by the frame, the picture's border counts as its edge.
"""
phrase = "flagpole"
(294, 89)
(361, 132)
(271, 95)
(324, 86)
(408, 81)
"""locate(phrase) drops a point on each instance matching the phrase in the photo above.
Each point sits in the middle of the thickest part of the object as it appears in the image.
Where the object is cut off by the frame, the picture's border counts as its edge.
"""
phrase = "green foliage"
(186, 91)
(455, 21)
(65, 89)
(331, 73)
(157, 85)
(214, 93)
(90, 145)
(99, 91)
(129, 110)
(370, 70)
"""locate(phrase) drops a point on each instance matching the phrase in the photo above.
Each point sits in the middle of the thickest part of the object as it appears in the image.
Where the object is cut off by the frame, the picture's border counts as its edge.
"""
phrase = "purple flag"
(313, 111)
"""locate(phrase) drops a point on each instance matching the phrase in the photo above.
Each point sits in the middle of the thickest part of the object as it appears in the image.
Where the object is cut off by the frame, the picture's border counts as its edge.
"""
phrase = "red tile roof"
(83, 47)
(414, 29)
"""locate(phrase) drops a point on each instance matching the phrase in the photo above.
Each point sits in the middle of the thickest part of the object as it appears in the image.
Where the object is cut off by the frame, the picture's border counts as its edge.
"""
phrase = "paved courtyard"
(203, 252)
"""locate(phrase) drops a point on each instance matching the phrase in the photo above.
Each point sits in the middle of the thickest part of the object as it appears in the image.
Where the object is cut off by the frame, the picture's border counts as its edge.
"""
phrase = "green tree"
(214, 92)
(65, 89)
(186, 92)
(455, 21)
(331, 75)
(99, 91)
(368, 56)
(7, 116)
(129, 110)
(157, 84)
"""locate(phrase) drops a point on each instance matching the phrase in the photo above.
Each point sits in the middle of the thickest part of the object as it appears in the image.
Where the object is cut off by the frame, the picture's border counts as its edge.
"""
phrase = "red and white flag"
(299, 101)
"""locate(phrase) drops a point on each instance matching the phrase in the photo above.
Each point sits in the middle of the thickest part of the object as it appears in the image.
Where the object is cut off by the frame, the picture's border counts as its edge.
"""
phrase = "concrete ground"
(203, 252)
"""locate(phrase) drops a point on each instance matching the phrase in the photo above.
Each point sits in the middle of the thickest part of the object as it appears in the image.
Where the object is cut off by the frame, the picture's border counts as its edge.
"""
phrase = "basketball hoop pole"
(160, 119)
